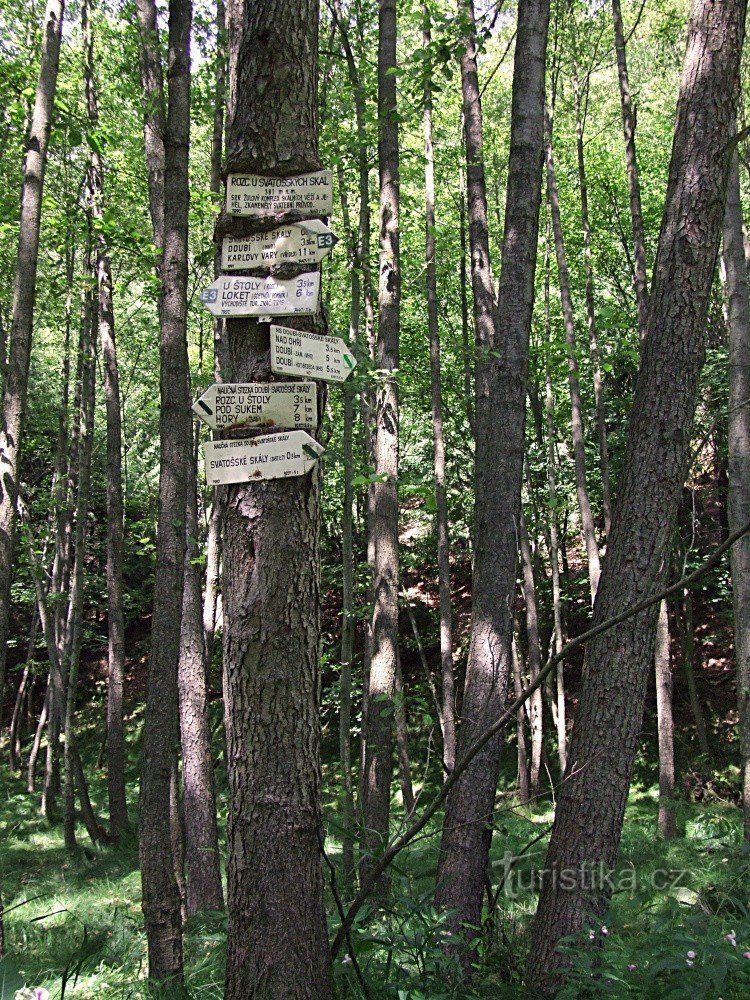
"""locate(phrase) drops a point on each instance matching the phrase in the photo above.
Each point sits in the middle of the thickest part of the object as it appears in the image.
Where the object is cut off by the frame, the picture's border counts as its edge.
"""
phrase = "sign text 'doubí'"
(298, 243)
(297, 352)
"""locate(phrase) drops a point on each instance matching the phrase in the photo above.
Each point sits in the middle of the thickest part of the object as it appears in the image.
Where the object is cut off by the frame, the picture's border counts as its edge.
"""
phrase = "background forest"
(74, 694)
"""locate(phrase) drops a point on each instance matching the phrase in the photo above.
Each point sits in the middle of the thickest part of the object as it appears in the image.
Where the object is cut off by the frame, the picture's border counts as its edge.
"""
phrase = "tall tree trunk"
(688, 666)
(118, 810)
(441, 501)
(558, 699)
(534, 706)
(576, 408)
(588, 821)
(502, 334)
(161, 897)
(665, 726)
(631, 163)
(14, 737)
(601, 422)
(739, 463)
(385, 651)
(16, 380)
(277, 947)
(203, 868)
(524, 789)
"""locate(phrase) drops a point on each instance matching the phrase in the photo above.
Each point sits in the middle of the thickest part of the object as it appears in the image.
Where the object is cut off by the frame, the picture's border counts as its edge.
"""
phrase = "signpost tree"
(277, 944)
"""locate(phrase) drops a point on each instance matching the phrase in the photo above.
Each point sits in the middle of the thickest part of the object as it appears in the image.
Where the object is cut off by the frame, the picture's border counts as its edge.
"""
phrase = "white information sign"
(229, 296)
(302, 243)
(273, 456)
(248, 194)
(259, 404)
(296, 352)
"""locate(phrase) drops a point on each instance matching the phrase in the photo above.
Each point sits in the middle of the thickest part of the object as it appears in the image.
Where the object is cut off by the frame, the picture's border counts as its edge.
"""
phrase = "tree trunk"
(534, 707)
(739, 463)
(16, 380)
(588, 821)
(385, 651)
(161, 897)
(118, 810)
(203, 869)
(631, 163)
(502, 334)
(441, 501)
(524, 789)
(576, 408)
(277, 947)
(601, 422)
(14, 737)
(688, 665)
(665, 726)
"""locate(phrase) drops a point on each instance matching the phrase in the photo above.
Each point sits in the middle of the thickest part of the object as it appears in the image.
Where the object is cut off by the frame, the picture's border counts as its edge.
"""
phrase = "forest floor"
(74, 924)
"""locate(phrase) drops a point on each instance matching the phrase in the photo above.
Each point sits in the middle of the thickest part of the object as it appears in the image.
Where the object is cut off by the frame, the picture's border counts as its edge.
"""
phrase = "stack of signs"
(290, 407)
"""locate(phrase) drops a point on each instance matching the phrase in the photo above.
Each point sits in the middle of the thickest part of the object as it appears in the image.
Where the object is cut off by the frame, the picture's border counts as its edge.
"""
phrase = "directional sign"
(273, 456)
(295, 352)
(229, 296)
(259, 404)
(248, 194)
(301, 243)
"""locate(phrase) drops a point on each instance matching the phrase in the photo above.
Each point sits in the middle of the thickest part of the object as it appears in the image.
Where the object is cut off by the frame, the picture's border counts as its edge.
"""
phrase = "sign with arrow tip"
(301, 243)
(229, 296)
(273, 456)
(268, 405)
(251, 195)
(296, 352)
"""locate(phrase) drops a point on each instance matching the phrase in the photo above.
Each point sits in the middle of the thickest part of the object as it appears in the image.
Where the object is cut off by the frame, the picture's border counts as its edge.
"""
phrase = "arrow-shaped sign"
(301, 243)
(296, 352)
(248, 194)
(273, 456)
(263, 296)
(259, 404)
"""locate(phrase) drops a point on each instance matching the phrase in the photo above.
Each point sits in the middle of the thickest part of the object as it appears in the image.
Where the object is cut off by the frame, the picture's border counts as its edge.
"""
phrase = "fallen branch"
(397, 845)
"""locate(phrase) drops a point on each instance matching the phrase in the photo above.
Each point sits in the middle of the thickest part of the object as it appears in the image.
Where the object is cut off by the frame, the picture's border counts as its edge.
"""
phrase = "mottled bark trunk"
(385, 651)
(277, 947)
(576, 407)
(441, 501)
(631, 163)
(16, 379)
(739, 463)
(665, 726)
(154, 115)
(202, 869)
(524, 788)
(502, 334)
(588, 822)
(161, 897)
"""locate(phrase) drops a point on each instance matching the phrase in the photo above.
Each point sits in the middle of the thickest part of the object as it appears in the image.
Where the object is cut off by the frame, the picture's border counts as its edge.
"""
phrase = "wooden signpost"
(299, 243)
(253, 405)
(296, 352)
(235, 297)
(273, 456)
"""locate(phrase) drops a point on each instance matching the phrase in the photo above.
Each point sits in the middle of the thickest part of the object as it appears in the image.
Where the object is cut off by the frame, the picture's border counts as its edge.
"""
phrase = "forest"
(374, 500)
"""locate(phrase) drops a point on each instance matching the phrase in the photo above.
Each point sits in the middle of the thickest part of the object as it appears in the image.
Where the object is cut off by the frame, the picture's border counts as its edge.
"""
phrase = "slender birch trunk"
(665, 726)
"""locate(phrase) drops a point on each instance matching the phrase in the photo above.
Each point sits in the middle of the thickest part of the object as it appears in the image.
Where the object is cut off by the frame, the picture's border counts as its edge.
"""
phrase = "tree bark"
(16, 380)
(576, 407)
(502, 335)
(524, 789)
(588, 821)
(385, 651)
(441, 501)
(534, 707)
(277, 947)
(203, 868)
(631, 163)
(665, 726)
(161, 897)
(739, 463)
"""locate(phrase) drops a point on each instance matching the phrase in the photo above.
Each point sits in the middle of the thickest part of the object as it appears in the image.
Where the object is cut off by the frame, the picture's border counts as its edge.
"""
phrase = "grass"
(74, 925)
